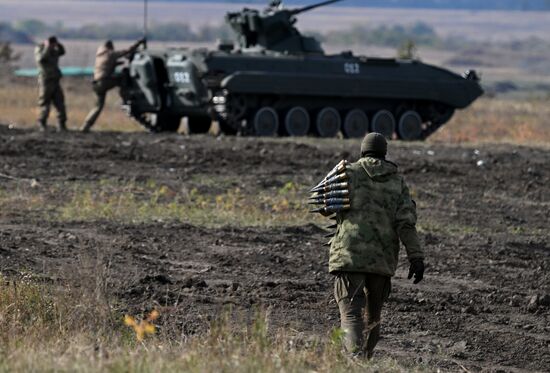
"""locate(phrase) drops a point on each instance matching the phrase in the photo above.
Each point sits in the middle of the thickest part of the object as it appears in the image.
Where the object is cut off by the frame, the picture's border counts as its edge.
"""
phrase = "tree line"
(421, 33)
(172, 31)
(428, 4)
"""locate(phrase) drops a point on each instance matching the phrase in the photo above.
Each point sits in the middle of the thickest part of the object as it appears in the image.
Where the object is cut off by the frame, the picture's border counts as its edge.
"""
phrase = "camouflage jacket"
(47, 60)
(381, 213)
(106, 60)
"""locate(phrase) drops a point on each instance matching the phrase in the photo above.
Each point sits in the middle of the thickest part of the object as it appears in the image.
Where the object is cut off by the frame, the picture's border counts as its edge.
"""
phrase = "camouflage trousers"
(50, 92)
(356, 293)
(101, 87)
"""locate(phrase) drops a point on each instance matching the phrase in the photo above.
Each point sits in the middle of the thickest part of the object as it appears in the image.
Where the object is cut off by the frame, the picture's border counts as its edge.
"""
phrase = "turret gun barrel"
(313, 6)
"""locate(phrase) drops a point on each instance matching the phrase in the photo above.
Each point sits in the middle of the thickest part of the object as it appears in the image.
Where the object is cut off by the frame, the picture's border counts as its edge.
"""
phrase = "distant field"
(488, 120)
(478, 25)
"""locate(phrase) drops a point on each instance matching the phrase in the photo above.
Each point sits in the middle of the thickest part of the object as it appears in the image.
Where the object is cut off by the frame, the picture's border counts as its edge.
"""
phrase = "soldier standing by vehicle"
(106, 62)
(364, 251)
(47, 56)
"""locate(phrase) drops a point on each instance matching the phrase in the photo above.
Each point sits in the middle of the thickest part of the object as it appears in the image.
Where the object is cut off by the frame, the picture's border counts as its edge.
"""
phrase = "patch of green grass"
(142, 202)
(149, 202)
(24, 197)
(526, 231)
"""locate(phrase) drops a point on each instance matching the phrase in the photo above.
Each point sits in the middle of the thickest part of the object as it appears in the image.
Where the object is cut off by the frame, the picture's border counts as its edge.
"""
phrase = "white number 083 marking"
(352, 68)
(182, 77)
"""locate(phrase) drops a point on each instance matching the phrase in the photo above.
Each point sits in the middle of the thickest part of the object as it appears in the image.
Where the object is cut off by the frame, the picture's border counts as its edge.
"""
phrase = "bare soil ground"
(483, 219)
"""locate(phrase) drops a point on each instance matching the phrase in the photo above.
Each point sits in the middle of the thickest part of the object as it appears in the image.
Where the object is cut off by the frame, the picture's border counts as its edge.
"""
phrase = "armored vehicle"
(276, 80)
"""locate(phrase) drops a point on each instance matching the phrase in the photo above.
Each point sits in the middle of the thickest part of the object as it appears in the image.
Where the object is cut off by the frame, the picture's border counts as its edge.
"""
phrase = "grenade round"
(340, 167)
(329, 201)
(330, 187)
(333, 194)
(337, 208)
(336, 178)
(338, 175)
(337, 201)
(332, 208)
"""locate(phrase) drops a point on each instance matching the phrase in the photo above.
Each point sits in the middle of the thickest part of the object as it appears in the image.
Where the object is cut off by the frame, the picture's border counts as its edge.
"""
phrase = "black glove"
(416, 269)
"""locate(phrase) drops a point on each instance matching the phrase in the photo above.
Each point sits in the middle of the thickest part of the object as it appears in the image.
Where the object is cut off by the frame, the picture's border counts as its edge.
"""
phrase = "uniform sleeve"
(42, 53)
(406, 224)
(60, 49)
(118, 54)
(125, 52)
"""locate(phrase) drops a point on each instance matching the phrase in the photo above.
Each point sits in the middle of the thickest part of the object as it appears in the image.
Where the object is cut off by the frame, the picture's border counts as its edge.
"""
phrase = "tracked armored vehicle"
(279, 81)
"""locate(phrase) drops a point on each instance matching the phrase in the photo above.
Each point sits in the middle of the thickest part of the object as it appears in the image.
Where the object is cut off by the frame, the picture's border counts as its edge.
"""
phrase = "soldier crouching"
(364, 251)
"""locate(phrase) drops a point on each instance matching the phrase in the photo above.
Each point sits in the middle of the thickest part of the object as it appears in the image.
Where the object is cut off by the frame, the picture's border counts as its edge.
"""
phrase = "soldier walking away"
(47, 56)
(107, 59)
(364, 251)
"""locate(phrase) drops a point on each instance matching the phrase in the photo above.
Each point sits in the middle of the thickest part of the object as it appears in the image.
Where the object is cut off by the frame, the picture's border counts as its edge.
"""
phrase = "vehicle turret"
(273, 29)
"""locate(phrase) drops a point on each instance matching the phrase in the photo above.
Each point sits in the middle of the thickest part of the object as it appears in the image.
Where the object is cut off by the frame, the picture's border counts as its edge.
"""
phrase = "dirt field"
(483, 218)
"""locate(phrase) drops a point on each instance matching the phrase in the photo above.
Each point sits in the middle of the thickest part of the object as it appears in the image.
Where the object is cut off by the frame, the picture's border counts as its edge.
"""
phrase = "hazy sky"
(474, 24)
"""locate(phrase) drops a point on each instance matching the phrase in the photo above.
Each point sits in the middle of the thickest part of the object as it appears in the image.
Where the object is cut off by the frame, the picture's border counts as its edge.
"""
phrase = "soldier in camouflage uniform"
(364, 251)
(47, 56)
(106, 61)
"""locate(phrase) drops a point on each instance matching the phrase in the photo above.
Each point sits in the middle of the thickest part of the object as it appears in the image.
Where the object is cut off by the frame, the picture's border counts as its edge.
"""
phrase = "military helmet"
(374, 144)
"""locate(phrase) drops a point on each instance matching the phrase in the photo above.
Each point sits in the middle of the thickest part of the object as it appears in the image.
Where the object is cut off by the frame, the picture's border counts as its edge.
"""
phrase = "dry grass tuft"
(499, 120)
(45, 328)
(135, 202)
(18, 105)
(150, 202)
(36, 314)
(487, 120)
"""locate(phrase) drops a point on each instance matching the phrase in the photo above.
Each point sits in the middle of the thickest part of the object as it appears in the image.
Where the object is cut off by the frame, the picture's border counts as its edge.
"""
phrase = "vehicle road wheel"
(163, 122)
(198, 124)
(328, 122)
(356, 124)
(410, 126)
(383, 122)
(237, 107)
(266, 122)
(297, 121)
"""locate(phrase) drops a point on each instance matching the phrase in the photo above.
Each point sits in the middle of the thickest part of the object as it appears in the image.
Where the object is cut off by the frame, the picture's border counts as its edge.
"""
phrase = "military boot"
(86, 128)
(43, 126)
(62, 127)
